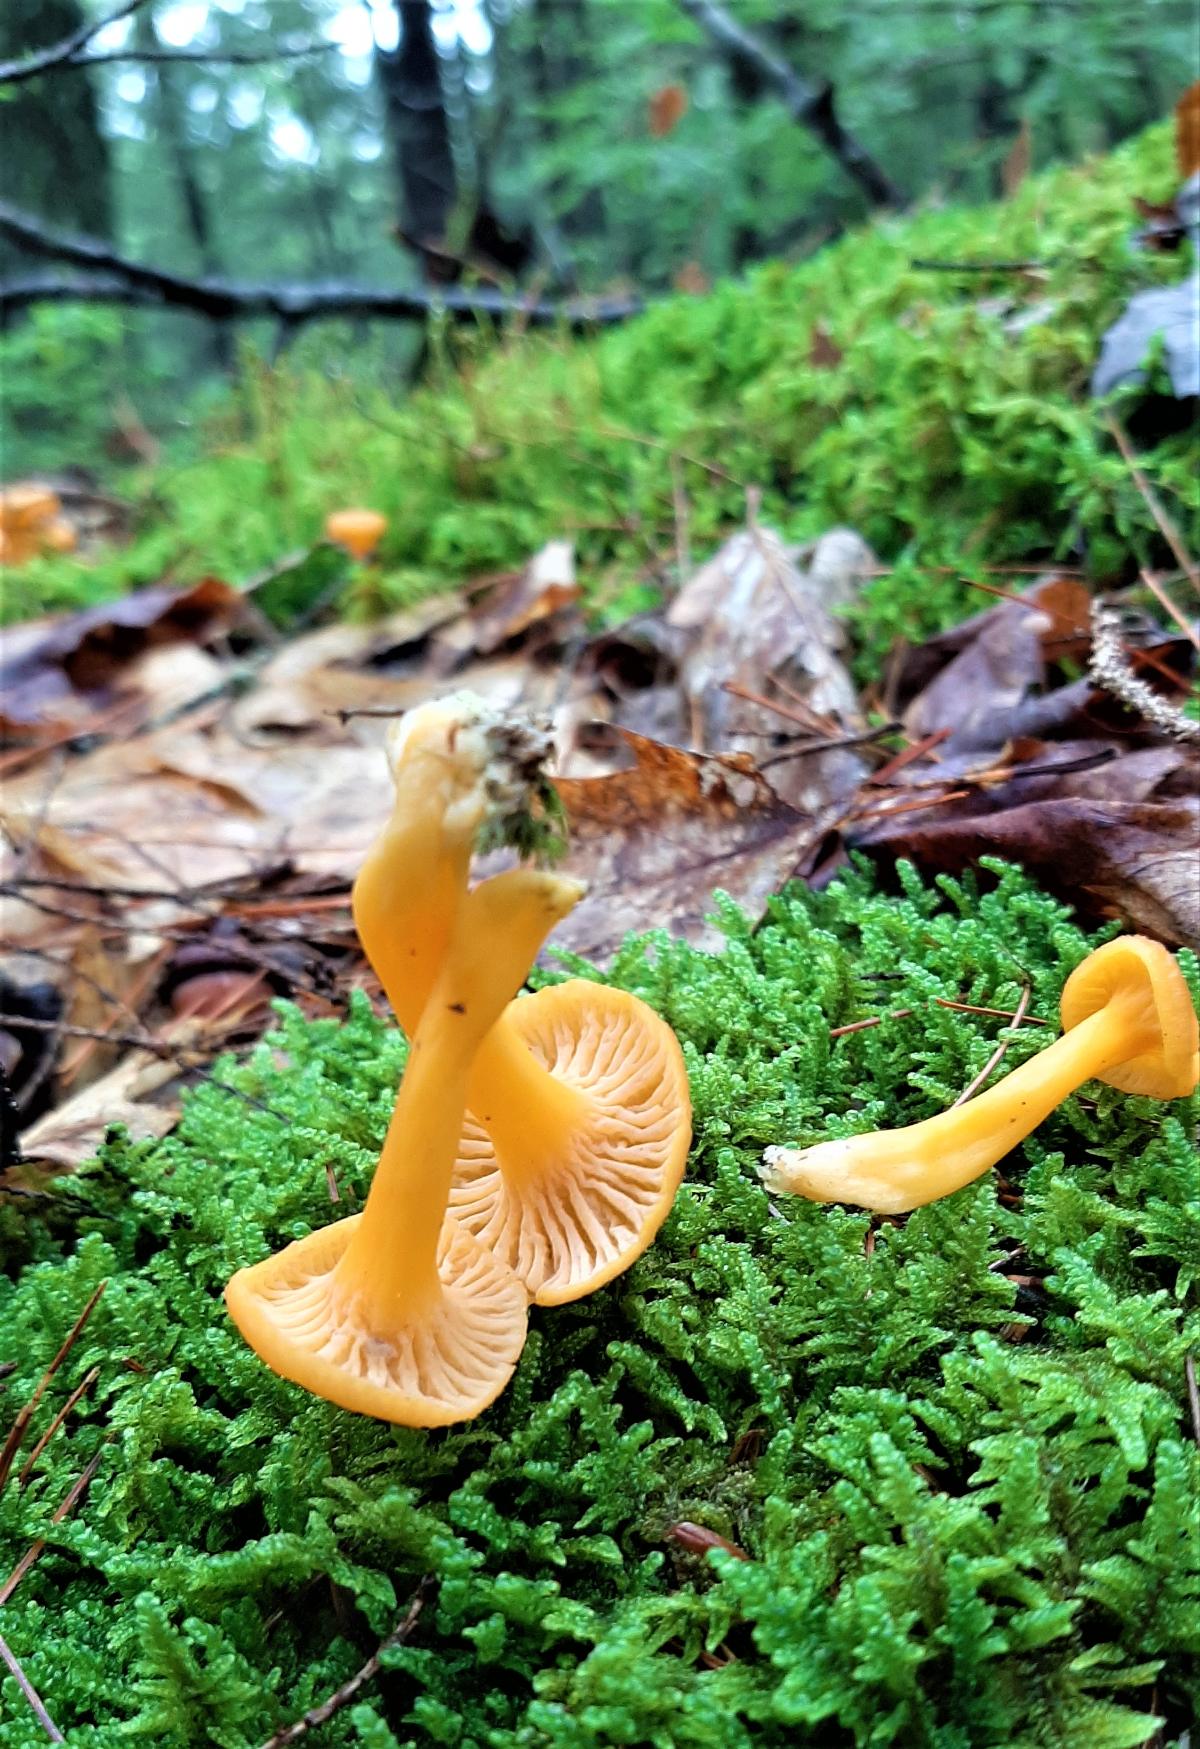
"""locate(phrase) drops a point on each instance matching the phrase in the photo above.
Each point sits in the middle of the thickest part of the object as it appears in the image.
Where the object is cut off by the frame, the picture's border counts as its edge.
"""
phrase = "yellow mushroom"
(400, 1312)
(30, 524)
(1127, 1019)
(359, 531)
(579, 1114)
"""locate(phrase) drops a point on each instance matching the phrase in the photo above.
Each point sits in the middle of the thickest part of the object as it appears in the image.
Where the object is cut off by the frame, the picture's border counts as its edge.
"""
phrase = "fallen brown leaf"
(66, 672)
(762, 624)
(653, 841)
(1120, 840)
(510, 609)
(73, 1131)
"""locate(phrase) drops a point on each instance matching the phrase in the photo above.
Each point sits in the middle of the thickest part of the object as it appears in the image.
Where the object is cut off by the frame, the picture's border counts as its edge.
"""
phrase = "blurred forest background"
(555, 148)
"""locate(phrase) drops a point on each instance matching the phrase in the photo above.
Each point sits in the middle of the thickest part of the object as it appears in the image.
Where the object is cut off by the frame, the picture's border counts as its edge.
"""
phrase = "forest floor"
(803, 1475)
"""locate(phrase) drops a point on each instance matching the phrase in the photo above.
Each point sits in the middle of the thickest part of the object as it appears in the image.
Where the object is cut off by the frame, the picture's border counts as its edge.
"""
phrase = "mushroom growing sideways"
(1127, 1019)
(400, 1312)
(578, 1113)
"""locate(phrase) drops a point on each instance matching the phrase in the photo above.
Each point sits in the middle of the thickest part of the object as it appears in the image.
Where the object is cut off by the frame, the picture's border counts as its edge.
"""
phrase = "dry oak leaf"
(1117, 841)
(761, 621)
(73, 1131)
(654, 841)
(62, 672)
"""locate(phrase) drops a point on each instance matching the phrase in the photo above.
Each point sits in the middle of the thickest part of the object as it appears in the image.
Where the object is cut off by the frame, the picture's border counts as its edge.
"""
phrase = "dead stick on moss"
(872, 1020)
(998, 1054)
(996, 1013)
(1193, 1390)
(1154, 505)
(37, 1705)
(1168, 606)
(81, 1389)
(74, 1495)
(24, 1415)
(342, 1696)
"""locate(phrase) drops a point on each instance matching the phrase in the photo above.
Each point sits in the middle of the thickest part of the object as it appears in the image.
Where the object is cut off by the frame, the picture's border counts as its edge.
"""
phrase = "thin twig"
(114, 278)
(998, 1054)
(74, 1495)
(207, 57)
(342, 1696)
(809, 102)
(36, 1704)
(81, 1389)
(1166, 526)
(61, 53)
(24, 1415)
(996, 1013)
(909, 755)
(801, 749)
(873, 1020)
(1164, 601)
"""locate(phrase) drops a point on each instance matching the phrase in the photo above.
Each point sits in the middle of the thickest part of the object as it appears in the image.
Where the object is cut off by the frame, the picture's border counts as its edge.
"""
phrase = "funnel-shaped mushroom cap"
(1146, 991)
(359, 531)
(26, 506)
(568, 1194)
(447, 1368)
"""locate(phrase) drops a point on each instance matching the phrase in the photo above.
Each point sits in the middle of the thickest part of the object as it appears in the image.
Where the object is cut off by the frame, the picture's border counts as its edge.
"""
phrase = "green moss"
(959, 1538)
(948, 434)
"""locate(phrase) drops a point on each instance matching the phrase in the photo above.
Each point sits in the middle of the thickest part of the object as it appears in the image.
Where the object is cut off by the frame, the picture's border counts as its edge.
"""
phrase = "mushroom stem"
(896, 1170)
(408, 891)
(528, 1113)
(390, 1263)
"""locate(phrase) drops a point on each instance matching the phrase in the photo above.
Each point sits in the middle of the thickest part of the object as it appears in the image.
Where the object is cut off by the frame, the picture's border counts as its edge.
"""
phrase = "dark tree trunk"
(54, 159)
(418, 126)
(170, 102)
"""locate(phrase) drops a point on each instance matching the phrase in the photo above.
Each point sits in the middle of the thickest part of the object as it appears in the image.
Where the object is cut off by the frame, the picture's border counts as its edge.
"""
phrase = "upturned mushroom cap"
(359, 531)
(399, 1312)
(25, 506)
(447, 1368)
(1141, 979)
(569, 1206)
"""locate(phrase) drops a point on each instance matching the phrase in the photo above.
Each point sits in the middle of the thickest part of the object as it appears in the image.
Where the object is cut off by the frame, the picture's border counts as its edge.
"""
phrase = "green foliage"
(960, 1457)
(955, 430)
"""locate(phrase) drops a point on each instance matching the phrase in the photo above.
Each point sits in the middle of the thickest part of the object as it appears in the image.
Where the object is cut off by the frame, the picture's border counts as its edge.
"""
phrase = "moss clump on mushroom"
(958, 1538)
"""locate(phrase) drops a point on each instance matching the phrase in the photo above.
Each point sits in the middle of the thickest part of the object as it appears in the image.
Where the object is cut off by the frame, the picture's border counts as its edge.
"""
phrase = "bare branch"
(64, 53)
(118, 279)
(207, 57)
(807, 103)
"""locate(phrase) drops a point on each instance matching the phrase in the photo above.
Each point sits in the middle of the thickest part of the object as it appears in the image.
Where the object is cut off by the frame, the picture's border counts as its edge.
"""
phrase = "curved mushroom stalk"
(399, 1312)
(579, 1114)
(457, 766)
(577, 1137)
(1128, 1020)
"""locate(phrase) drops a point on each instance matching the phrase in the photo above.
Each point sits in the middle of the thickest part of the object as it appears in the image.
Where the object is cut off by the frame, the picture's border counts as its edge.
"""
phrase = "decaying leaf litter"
(188, 792)
(188, 795)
